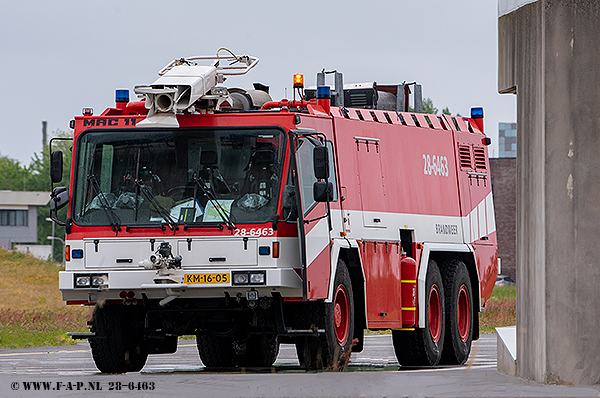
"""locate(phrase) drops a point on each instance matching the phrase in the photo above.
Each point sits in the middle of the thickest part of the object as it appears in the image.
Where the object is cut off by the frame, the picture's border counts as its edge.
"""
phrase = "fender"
(424, 264)
(337, 244)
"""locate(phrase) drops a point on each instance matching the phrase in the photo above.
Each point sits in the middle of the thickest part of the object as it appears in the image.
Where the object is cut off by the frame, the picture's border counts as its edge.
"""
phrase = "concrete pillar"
(550, 57)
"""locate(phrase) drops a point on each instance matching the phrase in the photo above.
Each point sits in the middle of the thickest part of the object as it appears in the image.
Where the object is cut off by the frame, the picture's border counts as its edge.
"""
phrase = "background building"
(504, 187)
(18, 216)
(507, 140)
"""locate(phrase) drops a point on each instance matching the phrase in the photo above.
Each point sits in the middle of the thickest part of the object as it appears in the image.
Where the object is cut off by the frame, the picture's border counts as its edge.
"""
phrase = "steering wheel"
(172, 193)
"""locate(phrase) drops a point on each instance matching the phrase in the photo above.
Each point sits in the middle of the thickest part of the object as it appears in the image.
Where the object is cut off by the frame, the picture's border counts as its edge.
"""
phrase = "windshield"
(177, 176)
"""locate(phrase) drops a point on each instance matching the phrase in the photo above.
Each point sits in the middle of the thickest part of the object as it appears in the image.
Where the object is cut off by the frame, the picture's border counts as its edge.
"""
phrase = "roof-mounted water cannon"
(183, 82)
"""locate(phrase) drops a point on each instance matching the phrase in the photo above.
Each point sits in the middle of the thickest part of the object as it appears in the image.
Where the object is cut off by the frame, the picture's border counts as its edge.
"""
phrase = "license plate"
(207, 278)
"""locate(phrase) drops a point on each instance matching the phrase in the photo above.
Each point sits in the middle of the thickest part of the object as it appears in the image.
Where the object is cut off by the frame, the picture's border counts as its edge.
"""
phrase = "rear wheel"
(423, 347)
(117, 346)
(332, 349)
(459, 313)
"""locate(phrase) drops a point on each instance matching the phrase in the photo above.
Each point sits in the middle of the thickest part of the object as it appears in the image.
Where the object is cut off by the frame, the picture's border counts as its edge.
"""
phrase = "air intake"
(464, 152)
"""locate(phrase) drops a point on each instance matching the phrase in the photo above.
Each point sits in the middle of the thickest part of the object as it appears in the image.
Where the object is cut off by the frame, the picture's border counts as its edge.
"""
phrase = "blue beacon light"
(323, 92)
(122, 95)
(477, 112)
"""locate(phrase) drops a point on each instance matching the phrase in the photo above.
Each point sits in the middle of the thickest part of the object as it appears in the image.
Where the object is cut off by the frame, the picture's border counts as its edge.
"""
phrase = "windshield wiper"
(200, 183)
(111, 217)
(164, 213)
(143, 189)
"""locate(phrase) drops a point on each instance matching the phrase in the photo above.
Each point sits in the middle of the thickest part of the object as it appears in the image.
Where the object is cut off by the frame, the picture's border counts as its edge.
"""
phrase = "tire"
(423, 347)
(217, 351)
(309, 353)
(261, 350)
(459, 313)
(117, 347)
(227, 352)
(332, 349)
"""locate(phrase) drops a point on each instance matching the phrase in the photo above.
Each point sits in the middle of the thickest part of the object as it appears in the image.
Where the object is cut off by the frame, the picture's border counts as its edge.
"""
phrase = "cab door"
(314, 223)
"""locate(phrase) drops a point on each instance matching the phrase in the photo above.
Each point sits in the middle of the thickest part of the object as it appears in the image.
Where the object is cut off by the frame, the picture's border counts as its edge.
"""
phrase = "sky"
(60, 56)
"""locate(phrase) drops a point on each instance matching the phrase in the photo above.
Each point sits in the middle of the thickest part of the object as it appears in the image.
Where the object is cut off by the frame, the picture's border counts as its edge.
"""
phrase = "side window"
(13, 218)
(304, 154)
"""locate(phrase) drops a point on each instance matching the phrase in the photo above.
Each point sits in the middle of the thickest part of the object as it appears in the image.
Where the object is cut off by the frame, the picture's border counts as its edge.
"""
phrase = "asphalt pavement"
(70, 371)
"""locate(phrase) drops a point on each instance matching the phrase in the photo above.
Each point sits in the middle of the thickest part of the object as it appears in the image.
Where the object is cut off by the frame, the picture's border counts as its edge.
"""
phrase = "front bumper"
(284, 281)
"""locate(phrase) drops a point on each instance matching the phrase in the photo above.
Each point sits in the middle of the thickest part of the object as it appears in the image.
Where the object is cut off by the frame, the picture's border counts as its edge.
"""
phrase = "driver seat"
(210, 172)
(261, 176)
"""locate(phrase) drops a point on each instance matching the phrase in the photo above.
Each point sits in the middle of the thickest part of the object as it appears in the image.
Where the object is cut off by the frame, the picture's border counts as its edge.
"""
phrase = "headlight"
(257, 279)
(249, 277)
(97, 280)
(90, 280)
(240, 278)
(82, 281)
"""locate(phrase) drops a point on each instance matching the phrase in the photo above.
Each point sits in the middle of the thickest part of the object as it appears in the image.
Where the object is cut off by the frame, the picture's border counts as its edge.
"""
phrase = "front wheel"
(216, 351)
(229, 352)
(331, 350)
(261, 350)
(459, 313)
(117, 346)
(423, 347)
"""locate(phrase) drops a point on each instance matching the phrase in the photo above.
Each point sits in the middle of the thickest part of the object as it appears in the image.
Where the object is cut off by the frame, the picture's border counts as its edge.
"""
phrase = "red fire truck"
(217, 212)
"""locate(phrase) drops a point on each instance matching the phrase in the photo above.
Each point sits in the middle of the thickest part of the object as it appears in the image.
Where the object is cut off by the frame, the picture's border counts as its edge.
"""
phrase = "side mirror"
(323, 191)
(58, 198)
(56, 166)
(321, 162)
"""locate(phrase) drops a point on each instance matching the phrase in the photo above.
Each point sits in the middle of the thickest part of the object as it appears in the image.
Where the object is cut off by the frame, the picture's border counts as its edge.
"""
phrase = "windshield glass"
(177, 176)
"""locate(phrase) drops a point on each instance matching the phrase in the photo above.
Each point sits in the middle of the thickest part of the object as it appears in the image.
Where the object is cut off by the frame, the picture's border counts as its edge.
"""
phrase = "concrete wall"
(43, 252)
(549, 56)
(504, 185)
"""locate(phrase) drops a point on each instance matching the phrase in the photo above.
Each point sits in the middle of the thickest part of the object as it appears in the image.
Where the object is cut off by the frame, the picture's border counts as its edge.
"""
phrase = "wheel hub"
(341, 319)
(435, 314)
(463, 313)
(337, 315)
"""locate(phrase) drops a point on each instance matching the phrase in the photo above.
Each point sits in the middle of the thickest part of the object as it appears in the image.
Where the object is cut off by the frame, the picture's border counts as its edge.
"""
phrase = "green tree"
(428, 107)
(13, 176)
(39, 168)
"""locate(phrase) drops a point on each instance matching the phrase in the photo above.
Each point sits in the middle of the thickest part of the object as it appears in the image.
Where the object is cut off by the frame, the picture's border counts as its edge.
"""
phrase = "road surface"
(70, 371)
